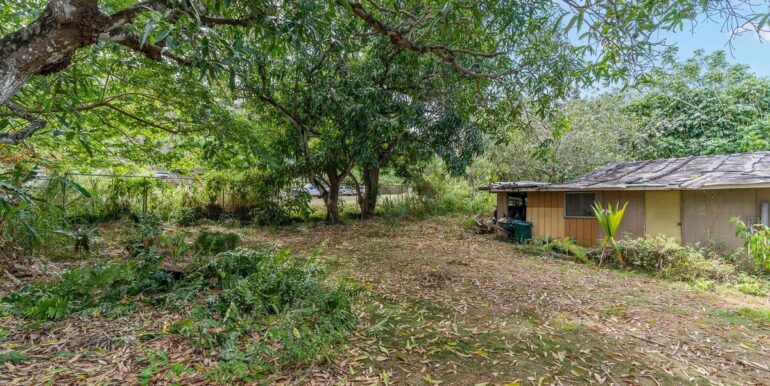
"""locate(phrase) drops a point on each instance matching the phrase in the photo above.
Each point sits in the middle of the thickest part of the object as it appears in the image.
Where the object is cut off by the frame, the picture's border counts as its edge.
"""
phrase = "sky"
(746, 48)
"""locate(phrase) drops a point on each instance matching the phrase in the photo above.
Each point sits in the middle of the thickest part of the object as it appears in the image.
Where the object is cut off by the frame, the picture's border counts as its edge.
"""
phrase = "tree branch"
(34, 125)
(146, 122)
(445, 53)
(128, 14)
(151, 51)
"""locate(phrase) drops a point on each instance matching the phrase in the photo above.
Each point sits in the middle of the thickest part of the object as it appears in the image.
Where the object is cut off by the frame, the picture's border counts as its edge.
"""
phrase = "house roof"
(513, 185)
(689, 173)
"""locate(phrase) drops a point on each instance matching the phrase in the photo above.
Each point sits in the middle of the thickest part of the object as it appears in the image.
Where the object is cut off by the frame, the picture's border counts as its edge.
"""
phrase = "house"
(691, 199)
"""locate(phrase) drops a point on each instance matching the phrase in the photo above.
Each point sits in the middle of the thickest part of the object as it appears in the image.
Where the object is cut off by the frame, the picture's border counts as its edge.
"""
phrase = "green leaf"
(74, 186)
(147, 31)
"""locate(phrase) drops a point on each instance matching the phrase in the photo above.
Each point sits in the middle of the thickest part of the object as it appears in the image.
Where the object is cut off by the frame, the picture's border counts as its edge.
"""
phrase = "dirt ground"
(447, 305)
(442, 305)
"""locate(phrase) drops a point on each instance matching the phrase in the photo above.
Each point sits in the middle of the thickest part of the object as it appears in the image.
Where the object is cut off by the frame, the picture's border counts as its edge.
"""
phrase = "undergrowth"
(298, 313)
(662, 257)
(216, 242)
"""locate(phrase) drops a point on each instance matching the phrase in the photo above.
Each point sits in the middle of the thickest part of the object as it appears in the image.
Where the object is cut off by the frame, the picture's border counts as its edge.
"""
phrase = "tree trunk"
(371, 176)
(47, 44)
(331, 199)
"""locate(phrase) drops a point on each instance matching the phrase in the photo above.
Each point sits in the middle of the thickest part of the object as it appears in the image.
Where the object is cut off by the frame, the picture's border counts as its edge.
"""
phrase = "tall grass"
(437, 193)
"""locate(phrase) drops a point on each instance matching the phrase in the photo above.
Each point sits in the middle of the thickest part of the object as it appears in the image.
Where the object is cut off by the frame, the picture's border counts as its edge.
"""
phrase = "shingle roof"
(697, 172)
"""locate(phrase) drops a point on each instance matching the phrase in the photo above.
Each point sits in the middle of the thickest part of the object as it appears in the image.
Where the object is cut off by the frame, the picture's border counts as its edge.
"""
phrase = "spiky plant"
(609, 220)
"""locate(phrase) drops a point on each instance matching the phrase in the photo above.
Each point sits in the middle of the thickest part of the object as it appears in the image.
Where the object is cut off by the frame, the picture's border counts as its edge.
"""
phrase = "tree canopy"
(703, 105)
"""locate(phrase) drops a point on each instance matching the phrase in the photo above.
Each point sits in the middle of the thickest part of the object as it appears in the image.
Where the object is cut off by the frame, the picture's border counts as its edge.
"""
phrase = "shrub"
(312, 313)
(664, 257)
(752, 285)
(671, 259)
(567, 246)
(609, 221)
(757, 243)
(216, 242)
(185, 216)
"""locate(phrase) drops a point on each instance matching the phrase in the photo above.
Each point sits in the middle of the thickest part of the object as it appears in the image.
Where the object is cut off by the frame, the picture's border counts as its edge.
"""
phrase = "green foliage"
(668, 258)
(567, 246)
(752, 285)
(609, 221)
(81, 238)
(216, 242)
(90, 289)
(12, 356)
(663, 257)
(583, 134)
(757, 243)
(560, 248)
(291, 302)
(702, 105)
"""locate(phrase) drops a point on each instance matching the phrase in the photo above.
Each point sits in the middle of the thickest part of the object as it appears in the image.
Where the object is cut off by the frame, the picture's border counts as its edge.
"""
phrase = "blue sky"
(747, 48)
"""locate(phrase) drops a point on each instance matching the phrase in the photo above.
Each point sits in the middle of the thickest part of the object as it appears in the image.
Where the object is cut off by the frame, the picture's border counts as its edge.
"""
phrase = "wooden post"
(144, 197)
(64, 195)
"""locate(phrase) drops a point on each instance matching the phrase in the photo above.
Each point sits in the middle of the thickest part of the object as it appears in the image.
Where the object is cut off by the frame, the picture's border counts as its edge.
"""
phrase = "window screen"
(579, 204)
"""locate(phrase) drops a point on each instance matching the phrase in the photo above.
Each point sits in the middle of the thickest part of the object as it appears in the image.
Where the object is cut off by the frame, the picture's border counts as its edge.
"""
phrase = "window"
(579, 204)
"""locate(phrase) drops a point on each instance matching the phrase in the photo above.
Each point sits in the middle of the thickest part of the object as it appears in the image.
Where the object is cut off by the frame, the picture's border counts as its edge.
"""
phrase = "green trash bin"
(522, 231)
(519, 231)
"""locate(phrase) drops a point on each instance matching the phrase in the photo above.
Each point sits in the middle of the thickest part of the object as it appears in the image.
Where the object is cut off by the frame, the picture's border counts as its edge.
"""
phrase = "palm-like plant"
(609, 220)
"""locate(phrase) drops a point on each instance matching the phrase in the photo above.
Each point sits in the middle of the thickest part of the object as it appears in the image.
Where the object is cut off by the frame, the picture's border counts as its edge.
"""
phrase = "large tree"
(480, 40)
(702, 105)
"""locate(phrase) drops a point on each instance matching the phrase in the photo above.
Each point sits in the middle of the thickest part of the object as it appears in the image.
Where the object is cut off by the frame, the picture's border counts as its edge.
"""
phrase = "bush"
(552, 247)
(185, 216)
(664, 257)
(669, 258)
(255, 284)
(216, 242)
(757, 242)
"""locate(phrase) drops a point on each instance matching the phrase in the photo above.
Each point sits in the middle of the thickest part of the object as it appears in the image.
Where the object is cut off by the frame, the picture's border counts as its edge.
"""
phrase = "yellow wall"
(663, 213)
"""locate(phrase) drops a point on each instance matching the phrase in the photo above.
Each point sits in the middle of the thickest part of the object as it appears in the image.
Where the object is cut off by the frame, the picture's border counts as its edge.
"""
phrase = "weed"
(95, 289)
(299, 314)
(216, 242)
(12, 356)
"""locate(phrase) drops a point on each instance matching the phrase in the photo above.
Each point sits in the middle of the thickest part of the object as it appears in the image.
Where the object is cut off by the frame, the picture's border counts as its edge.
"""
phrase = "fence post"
(144, 197)
(64, 195)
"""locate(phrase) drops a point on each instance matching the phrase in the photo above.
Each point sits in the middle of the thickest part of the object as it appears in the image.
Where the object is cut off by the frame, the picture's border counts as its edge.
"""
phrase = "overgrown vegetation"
(667, 258)
(216, 242)
(290, 303)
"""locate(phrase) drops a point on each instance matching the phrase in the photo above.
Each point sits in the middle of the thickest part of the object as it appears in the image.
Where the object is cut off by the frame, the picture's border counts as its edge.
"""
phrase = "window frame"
(595, 194)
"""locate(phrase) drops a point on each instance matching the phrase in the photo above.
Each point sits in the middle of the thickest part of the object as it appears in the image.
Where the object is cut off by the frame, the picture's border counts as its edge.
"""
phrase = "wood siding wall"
(546, 212)
(502, 205)
(585, 231)
(706, 214)
(633, 220)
